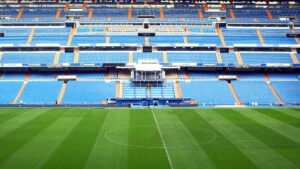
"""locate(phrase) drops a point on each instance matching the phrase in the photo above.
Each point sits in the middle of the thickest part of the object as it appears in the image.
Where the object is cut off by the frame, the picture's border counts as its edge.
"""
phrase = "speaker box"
(147, 48)
(146, 25)
(224, 50)
(69, 50)
(70, 24)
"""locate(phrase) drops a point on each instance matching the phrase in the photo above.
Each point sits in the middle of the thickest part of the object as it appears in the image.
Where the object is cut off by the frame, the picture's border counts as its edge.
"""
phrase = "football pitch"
(237, 138)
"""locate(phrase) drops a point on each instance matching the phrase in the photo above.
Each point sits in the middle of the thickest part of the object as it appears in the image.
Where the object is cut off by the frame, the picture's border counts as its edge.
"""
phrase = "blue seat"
(254, 91)
(208, 92)
(191, 57)
(9, 91)
(28, 57)
(147, 55)
(103, 57)
(134, 91)
(41, 92)
(88, 92)
(288, 91)
(258, 58)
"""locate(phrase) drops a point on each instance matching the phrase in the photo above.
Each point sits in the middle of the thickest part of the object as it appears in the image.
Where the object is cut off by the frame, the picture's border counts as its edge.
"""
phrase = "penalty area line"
(162, 140)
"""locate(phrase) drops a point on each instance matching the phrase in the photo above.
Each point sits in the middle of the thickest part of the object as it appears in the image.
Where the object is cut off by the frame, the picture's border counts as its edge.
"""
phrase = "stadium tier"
(149, 84)
(187, 53)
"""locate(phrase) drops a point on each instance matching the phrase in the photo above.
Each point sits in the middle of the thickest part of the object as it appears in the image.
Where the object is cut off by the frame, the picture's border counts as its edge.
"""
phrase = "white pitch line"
(162, 140)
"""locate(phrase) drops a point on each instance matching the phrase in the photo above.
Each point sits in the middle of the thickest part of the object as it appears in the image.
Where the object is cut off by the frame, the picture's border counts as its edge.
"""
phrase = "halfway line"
(163, 141)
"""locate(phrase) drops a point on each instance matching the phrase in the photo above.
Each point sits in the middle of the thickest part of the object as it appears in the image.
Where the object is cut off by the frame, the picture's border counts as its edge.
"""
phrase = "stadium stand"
(288, 91)
(250, 92)
(88, 92)
(179, 53)
(40, 92)
(208, 92)
(9, 90)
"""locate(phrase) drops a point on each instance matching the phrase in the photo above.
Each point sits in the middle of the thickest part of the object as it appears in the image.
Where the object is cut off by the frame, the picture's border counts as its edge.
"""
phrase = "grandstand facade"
(165, 53)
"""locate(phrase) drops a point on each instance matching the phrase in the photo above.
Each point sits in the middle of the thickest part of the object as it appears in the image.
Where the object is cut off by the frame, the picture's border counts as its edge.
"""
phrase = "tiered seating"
(14, 76)
(127, 39)
(208, 92)
(14, 36)
(134, 91)
(90, 75)
(144, 11)
(229, 58)
(110, 12)
(253, 76)
(184, 57)
(45, 75)
(240, 36)
(97, 29)
(103, 57)
(151, 55)
(156, 92)
(163, 39)
(248, 13)
(88, 39)
(207, 14)
(12, 12)
(166, 90)
(298, 56)
(181, 13)
(46, 12)
(40, 92)
(78, 13)
(289, 91)
(53, 35)
(191, 29)
(66, 58)
(9, 91)
(208, 30)
(204, 75)
(28, 57)
(232, 40)
(282, 76)
(277, 36)
(88, 92)
(211, 39)
(276, 13)
(255, 58)
(254, 91)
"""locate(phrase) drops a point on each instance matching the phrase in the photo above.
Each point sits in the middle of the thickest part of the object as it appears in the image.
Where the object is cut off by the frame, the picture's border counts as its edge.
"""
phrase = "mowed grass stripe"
(284, 129)
(274, 140)
(181, 143)
(18, 137)
(143, 124)
(8, 114)
(258, 152)
(285, 118)
(36, 152)
(106, 154)
(293, 112)
(11, 111)
(75, 149)
(19, 120)
(221, 151)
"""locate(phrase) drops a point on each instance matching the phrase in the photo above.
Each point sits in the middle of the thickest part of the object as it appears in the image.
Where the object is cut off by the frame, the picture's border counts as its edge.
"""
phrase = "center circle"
(149, 136)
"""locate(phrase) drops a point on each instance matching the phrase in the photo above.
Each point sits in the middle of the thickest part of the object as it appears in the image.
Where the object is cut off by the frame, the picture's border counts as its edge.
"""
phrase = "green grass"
(244, 138)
